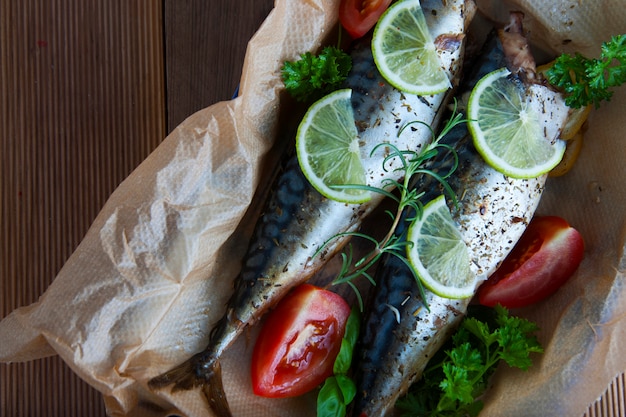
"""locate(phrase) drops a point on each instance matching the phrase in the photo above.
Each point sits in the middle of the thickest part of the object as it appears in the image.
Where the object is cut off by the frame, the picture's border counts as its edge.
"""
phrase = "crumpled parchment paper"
(152, 275)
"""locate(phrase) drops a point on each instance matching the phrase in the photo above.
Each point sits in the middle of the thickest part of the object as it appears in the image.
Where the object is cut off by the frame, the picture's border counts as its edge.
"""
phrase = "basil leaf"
(330, 402)
(350, 337)
(347, 387)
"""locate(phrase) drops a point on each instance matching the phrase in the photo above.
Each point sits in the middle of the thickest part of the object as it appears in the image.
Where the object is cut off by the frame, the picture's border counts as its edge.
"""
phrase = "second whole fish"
(401, 334)
(297, 220)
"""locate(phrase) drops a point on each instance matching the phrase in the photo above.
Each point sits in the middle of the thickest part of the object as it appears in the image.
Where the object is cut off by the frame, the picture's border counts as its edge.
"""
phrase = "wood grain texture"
(82, 103)
(204, 48)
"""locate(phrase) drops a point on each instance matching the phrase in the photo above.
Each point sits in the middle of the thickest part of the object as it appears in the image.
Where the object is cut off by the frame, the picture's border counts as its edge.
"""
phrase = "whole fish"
(400, 334)
(297, 220)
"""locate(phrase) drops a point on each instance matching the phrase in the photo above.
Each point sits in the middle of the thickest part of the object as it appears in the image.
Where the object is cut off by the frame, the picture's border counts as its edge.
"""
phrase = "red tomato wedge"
(546, 256)
(359, 16)
(300, 339)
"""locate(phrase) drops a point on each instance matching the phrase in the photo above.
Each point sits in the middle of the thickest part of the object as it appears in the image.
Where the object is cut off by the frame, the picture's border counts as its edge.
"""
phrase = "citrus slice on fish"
(515, 126)
(327, 146)
(405, 53)
(438, 253)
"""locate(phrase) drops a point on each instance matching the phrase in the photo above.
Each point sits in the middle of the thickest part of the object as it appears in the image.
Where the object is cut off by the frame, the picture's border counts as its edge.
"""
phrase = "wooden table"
(87, 90)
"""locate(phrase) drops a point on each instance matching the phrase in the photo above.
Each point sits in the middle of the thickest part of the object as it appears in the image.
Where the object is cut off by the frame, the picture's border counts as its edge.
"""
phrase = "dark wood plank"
(82, 103)
(205, 47)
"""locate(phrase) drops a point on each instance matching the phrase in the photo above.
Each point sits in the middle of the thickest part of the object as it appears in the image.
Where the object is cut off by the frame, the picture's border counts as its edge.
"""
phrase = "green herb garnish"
(339, 389)
(412, 164)
(313, 76)
(587, 81)
(458, 374)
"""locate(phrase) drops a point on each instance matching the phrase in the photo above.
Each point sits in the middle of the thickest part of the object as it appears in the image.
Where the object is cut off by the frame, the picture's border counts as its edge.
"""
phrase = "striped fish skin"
(297, 220)
(400, 334)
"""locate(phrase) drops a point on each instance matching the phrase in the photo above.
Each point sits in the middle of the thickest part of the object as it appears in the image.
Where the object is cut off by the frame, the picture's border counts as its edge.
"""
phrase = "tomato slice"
(300, 339)
(546, 256)
(359, 16)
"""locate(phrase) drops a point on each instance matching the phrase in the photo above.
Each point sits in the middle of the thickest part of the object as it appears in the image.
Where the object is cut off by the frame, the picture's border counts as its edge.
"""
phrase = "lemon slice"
(328, 149)
(438, 253)
(404, 51)
(572, 150)
(575, 122)
(512, 124)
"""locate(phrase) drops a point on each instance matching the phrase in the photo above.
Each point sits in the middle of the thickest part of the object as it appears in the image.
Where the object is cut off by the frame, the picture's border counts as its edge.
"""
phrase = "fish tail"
(188, 375)
(182, 376)
(214, 392)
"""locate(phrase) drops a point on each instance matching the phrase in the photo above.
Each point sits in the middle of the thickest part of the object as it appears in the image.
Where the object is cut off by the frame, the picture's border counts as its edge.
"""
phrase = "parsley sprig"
(313, 76)
(587, 81)
(458, 374)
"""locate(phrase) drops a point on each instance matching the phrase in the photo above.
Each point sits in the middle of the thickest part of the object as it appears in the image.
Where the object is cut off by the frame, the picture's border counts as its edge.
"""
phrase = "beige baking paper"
(142, 290)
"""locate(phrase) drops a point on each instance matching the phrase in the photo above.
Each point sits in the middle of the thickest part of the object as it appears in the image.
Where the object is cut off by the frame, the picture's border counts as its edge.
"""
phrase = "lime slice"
(404, 51)
(328, 149)
(506, 127)
(439, 254)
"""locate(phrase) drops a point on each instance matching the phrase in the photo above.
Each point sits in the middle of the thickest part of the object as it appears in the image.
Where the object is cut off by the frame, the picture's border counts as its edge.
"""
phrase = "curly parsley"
(587, 81)
(313, 76)
(459, 373)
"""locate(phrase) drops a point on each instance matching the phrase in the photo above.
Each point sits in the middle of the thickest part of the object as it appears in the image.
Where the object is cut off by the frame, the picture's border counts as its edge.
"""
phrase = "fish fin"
(182, 376)
(186, 376)
(214, 392)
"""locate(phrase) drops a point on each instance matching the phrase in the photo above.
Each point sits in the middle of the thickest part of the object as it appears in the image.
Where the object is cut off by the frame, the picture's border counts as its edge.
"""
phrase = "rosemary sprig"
(414, 164)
